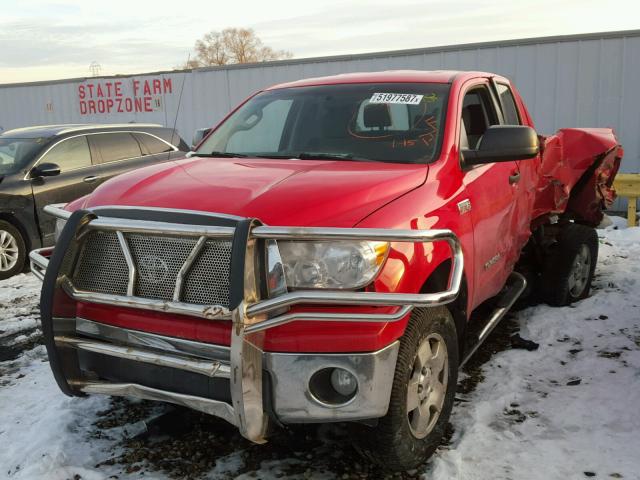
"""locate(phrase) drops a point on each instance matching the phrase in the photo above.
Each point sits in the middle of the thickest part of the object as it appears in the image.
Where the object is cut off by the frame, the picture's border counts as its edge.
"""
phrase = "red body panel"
(567, 155)
(278, 192)
(381, 195)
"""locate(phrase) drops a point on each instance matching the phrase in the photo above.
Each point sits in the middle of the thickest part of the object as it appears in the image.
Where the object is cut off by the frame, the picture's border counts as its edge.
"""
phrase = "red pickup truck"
(319, 255)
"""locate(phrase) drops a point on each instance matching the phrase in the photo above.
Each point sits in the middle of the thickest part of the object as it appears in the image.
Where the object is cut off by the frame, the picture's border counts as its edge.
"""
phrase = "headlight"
(338, 265)
(60, 223)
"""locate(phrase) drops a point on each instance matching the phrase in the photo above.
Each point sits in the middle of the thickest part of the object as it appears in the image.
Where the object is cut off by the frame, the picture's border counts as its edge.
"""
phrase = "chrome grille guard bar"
(249, 316)
(257, 308)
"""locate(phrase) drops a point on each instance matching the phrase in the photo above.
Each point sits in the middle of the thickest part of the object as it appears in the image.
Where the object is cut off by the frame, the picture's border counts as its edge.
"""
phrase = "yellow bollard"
(628, 185)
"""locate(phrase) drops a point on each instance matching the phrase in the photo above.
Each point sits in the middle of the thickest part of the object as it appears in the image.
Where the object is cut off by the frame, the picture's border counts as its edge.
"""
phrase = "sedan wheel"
(13, 251)
(9, 251)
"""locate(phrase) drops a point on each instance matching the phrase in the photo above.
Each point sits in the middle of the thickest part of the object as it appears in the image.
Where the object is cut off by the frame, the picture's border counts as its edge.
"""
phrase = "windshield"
(17, 153)
(386, 122)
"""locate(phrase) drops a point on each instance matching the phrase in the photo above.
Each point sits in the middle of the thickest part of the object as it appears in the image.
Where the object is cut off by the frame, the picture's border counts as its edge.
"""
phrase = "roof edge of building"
(360, 56)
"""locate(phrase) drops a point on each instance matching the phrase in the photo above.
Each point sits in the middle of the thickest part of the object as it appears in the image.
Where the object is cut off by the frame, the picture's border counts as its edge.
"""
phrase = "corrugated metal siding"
(573, 81)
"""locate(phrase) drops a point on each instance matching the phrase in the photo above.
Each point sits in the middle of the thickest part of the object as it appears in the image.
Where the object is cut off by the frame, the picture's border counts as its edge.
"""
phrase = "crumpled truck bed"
(576, 173)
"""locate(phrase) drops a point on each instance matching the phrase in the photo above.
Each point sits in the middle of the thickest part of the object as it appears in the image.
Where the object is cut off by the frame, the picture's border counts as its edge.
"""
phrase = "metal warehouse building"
(588, 80)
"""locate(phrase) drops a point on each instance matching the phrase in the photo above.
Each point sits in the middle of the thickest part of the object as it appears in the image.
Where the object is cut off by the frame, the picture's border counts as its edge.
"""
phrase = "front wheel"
(12, 250)
(569, 269)
(422, 395)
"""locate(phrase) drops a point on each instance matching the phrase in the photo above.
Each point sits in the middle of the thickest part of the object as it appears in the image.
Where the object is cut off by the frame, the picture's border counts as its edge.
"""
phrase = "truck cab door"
(491, 190)
(527, 169)
(78, 176)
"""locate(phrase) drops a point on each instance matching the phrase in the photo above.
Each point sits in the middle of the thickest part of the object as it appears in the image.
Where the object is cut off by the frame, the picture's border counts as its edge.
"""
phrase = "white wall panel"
(573, 81)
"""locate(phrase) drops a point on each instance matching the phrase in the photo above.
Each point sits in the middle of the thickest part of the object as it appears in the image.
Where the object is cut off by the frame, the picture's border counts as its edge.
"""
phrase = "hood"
(278, 192)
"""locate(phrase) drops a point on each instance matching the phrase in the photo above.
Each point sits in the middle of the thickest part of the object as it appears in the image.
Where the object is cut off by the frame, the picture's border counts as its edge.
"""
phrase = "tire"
(397, 442)
(567, 275)
(13, 251)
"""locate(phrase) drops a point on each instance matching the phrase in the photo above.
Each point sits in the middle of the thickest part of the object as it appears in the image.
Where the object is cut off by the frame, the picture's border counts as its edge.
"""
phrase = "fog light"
(343, 382)
(333, 387)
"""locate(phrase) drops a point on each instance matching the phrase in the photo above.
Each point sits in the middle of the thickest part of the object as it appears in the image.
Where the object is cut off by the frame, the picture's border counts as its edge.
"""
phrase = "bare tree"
(233, 45)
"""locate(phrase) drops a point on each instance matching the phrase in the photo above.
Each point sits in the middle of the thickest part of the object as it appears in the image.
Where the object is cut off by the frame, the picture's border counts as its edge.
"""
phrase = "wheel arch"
(13, 220)
(437, 282)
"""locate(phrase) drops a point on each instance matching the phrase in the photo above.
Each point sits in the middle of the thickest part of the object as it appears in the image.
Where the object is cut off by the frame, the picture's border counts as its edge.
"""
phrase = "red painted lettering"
(83, 107)
(109, 104)
(138, 104)
(167, 85)
(91, 106)
(118, 89)
(81, 92)
(147, 87)
(128, 104)
(99, 92)
(157, 86)
(147, 104)
(90, 87)
(136, 86)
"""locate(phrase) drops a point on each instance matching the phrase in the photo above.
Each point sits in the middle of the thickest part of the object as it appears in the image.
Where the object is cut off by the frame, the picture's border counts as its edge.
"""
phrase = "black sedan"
(59, 163)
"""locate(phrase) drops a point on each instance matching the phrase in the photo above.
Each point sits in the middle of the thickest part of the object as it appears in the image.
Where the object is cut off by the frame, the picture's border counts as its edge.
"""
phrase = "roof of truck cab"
(391, 76)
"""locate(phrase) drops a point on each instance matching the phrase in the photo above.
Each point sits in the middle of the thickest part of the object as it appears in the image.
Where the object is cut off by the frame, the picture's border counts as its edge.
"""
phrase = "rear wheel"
(422, 395)
(12, 250)
(569, 270)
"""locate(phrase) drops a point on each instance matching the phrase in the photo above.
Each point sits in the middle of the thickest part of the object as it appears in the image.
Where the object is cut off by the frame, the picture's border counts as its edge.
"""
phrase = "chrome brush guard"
(249, 313)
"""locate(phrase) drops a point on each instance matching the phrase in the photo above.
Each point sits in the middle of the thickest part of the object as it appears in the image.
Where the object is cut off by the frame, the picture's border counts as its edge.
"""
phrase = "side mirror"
(45, 170)
(198, 136)
(504, 143)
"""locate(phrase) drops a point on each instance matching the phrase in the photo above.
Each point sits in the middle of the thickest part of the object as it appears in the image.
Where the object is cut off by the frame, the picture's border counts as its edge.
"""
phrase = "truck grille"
(102, 267)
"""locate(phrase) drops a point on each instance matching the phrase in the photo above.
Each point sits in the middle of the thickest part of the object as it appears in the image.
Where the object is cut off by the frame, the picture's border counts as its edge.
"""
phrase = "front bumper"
(289, 375)
(258, 381)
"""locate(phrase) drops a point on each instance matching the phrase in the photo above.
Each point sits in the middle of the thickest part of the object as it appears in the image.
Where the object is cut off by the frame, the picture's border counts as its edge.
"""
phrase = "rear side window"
(69, 154)
(116, 146)
(152, 145)
(511, 116)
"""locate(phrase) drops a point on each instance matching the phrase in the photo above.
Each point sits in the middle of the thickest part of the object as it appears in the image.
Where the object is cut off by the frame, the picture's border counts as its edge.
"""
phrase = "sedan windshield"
(386, 122)
(17, 153)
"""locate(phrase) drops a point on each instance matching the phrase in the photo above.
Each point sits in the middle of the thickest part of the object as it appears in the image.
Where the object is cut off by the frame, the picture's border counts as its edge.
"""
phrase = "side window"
(264, 131)
(69, 154)
(115, 146)
(151, 145)
(511, 116)
(478, 114)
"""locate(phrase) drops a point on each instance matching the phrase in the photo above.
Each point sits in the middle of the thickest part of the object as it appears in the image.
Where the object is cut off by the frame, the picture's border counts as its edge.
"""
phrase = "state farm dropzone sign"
(123, 96)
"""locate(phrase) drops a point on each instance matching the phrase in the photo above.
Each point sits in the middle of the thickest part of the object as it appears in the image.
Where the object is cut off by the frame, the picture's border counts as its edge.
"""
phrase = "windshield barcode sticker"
(401, 98)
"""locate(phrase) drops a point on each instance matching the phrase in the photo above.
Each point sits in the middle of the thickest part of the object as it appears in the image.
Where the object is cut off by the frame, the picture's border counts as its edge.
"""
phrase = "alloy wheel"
(580, 271)
(427, 386)
(8, 251)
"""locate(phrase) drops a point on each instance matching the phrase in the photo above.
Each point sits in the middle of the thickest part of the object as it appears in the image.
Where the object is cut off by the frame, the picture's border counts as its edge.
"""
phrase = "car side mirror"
(45, 170)
(504, 143)
(198, 136)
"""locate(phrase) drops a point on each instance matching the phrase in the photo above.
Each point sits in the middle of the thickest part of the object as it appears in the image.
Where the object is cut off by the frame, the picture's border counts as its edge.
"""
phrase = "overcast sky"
(51, 39)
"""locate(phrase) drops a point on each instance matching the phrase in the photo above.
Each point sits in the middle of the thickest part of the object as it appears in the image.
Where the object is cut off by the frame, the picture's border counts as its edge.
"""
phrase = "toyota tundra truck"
(320, 254)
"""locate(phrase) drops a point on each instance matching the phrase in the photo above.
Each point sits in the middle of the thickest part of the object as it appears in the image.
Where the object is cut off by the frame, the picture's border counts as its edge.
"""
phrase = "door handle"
(90, 179)
(515, 178)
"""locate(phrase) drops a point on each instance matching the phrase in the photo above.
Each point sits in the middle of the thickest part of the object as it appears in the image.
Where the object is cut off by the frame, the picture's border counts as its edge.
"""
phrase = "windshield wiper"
(220, 155)
(331, 156)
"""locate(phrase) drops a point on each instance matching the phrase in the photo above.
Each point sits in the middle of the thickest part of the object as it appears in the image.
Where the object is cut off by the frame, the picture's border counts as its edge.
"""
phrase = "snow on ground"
(567, 410)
